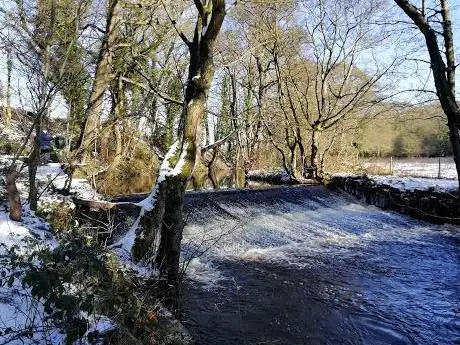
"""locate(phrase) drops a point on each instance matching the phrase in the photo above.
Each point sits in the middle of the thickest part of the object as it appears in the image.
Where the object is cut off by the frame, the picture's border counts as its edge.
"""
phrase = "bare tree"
(35, 35)
(332, 87)
(426, 20)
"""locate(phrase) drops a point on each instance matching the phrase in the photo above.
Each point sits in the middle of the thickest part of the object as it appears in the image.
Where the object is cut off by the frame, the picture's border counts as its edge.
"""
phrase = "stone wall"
(431, 205)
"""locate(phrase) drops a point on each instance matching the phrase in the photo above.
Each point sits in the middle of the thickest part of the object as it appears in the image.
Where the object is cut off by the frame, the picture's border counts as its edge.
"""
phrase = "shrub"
(76, 282)
(60, 215)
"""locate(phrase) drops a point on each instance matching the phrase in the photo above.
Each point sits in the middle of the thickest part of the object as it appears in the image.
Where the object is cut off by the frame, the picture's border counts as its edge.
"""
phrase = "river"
(303, 265)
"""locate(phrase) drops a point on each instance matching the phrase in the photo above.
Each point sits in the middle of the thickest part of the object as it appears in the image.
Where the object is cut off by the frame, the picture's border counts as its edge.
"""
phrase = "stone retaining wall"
(430, 205)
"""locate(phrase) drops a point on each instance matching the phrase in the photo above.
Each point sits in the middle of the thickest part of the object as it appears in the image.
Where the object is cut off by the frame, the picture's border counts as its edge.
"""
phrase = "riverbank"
(428, 199)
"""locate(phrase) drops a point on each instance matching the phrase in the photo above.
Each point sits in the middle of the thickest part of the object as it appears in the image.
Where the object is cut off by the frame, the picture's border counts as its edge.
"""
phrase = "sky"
(413, 75)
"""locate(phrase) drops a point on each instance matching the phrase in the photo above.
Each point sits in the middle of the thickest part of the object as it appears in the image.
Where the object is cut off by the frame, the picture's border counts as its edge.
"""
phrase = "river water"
(304, 265)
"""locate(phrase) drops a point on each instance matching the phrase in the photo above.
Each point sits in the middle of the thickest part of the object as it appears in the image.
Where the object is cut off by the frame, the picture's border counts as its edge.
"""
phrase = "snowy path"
(48, 175)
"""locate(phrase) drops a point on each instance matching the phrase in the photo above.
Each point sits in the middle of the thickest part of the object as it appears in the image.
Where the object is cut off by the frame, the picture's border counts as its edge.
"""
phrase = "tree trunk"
(102, 78)
(314, 153)
(302, 159)
(294, 161)
(9, 68)
(42, 110)
(179, 164)
(34, 161)
(454, 137)
(13, 195)
(445, 95)
(118, 119)
(208, 158)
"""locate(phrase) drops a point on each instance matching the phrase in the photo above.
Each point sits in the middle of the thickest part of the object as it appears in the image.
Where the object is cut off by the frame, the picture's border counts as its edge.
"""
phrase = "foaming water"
(306, 266)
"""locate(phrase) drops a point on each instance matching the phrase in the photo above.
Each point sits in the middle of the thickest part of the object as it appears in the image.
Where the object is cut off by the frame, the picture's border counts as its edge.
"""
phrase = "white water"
(309, 264)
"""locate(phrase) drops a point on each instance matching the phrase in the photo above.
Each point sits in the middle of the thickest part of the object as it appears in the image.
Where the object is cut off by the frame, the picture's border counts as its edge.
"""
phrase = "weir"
(305, 265)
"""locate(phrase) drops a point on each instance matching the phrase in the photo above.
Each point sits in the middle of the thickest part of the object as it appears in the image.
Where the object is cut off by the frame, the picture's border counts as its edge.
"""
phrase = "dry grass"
(133, 173)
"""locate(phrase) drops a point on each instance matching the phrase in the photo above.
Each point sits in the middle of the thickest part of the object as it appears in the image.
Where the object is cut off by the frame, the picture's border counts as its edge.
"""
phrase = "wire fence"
(433, 167)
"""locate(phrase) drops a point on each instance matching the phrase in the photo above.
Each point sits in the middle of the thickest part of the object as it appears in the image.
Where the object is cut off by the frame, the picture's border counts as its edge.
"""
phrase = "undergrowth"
(77, 282)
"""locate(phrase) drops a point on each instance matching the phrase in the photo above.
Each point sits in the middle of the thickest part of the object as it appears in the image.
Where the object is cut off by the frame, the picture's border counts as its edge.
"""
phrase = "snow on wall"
(411, 183)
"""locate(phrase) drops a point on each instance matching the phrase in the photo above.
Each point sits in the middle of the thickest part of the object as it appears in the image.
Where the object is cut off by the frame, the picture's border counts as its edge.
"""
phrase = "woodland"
(160, 97)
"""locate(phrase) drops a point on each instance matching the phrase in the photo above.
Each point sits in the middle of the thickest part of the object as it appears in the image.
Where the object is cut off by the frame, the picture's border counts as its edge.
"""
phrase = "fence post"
(439, 167)
(391, 165)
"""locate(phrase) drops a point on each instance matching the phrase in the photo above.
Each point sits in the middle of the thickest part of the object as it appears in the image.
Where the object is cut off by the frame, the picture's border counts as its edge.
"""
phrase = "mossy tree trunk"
(102, 79)
(167, 215)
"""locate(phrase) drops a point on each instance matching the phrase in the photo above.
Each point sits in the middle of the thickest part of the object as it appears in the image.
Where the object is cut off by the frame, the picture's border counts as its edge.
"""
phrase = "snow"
(52, 175)
(410, 183)
(416, 183)
(126, 243)
(11, 233)
(180, 164)
(18, 309)
(98, 323)
(205, 30)
(165, 168)
(13, 133)
(80, 187)
(416, 167)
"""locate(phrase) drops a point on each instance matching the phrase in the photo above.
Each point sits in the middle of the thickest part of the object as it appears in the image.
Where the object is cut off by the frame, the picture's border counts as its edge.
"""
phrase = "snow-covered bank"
(53, 174)
(22, 317)
(409, 183)
(416, 167)
(50, 178)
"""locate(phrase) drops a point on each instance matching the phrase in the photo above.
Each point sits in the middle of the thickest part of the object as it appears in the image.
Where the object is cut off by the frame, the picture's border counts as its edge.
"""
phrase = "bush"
(76, 282)
(9, 147)
(60, 215)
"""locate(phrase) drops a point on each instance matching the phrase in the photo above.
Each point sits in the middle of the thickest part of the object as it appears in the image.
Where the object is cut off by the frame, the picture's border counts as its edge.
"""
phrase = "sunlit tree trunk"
(315, 134)
(43, 39)
(102, 78)
(167, 215)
